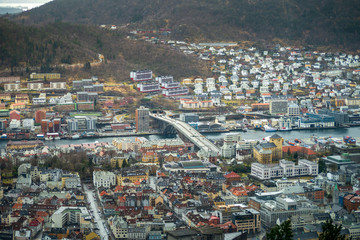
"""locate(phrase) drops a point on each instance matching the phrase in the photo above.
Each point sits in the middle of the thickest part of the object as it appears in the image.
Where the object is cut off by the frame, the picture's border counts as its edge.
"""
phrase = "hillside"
(62, 45)
(321, 22)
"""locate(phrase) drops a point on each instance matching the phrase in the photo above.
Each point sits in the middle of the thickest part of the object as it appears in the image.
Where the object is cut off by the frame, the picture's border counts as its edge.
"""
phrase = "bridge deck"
(190, 133)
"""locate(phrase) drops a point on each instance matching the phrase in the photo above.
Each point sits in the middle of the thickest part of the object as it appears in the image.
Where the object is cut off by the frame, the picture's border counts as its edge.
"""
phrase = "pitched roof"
(275, 136)
(294, 149)
(232, 175)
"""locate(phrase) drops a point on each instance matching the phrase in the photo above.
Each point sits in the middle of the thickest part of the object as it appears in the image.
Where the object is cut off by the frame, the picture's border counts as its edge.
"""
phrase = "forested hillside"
(319, 22)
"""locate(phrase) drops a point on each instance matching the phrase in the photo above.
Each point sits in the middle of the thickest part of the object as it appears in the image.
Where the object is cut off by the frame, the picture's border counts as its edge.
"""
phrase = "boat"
(4, 136)
(49, 139)
(267, 128)
(57, 138)
(40, 136)
(75, 136)
(291, 143)
(285, 129)
(349, 140)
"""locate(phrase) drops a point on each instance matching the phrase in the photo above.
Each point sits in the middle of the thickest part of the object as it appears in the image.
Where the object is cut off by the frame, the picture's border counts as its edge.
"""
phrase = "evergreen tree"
(331, 231)
(322, 166)
(124, 164)
(281, 232)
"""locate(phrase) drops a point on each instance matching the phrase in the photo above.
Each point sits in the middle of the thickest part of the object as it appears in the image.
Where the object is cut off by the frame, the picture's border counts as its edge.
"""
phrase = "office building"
(142, 118)
(247, 220)
(278, 106)
(284, 168)
(189, 117)
(66, 216)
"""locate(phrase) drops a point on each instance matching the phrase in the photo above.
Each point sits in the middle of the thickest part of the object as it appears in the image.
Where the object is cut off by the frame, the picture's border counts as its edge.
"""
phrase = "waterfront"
(251, 134)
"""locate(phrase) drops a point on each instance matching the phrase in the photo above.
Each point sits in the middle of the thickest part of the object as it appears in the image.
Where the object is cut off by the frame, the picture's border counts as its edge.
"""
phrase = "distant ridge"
(321, 22)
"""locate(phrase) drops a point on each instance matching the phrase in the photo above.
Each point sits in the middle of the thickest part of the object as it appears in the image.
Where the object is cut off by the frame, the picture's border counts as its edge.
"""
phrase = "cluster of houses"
(168, 192)
(46, 203)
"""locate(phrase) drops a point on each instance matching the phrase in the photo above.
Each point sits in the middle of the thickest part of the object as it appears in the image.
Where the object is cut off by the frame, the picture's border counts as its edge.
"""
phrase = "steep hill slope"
(61, 45)
(307, 21)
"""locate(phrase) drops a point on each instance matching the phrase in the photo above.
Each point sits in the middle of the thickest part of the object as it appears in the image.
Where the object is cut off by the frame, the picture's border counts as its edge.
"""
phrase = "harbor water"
(250, 135)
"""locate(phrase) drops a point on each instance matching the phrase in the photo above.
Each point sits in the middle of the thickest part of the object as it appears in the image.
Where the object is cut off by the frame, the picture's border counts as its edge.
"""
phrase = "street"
(94, 207)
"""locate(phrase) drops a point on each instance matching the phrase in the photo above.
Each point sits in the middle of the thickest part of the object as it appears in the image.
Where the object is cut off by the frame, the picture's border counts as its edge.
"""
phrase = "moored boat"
(267, 128)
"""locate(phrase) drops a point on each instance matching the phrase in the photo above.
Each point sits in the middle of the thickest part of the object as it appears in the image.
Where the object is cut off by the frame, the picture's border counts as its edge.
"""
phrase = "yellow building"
(187, 81)
(265, 153)
(22, 98)
(218, 201)
(212, 195)
(150, 157)
(5, 97)
(17, 106)
(45, 76)
(92, 236)
(132, 175)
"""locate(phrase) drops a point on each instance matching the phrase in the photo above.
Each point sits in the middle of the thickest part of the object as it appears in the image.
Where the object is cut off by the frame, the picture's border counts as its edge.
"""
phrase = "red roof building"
(302, 151)
(351, 202)
(230, 177)
(14, 115)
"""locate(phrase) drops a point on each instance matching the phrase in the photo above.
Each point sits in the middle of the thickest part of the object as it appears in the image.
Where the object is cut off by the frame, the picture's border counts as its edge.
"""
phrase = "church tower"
(336, 194)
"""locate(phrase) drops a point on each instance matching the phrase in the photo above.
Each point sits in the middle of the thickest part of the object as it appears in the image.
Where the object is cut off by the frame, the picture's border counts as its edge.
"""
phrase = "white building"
(293, 109)
(14, 124)
(104, 179)
(28, 123)
(228, 150)
(39, 101)
(35, 86)
(12, 87)
(284, 168)
(244, 149)
(70, 215)
(57, 85)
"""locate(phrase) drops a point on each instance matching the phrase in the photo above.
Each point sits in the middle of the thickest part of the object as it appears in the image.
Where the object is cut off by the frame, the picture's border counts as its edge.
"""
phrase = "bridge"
(208, 148)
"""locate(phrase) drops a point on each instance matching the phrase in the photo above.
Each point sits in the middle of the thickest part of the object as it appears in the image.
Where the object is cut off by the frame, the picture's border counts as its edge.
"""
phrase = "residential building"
(11, 87)
(57, 85)
(119, 227)
(141, 75)
(46, 76)
(244, 149)
(293, 109)
(104, 179)
(9, 79)
(35, 86)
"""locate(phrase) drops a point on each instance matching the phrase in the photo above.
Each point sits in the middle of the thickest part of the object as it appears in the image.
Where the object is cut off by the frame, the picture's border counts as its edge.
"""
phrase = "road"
(94, 206)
